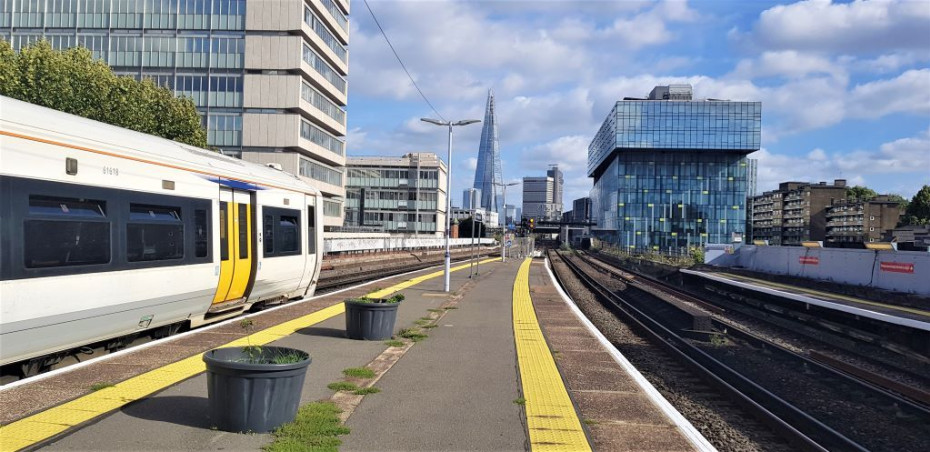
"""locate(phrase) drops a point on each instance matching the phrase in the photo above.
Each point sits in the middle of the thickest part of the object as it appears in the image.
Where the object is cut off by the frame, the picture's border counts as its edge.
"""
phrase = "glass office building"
(670, 172)
(251, 67)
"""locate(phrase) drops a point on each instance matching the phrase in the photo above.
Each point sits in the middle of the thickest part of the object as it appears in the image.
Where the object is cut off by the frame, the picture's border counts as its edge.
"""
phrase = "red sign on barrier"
(898, 267)
(809, 260)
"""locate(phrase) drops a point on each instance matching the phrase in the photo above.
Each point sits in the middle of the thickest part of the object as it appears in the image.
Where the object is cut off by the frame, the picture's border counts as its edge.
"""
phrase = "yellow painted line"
(550, 415)
(826, 296)
(46, 424)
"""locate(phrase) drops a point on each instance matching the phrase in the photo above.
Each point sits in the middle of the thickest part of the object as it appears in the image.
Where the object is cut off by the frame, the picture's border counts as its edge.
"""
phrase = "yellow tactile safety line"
(550, 415)
(827, 296)
(44, 425)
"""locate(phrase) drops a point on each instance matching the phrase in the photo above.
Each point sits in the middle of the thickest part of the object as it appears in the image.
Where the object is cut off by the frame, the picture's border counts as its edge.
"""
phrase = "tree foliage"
(918, 210)
(860, 193)
(73, 82)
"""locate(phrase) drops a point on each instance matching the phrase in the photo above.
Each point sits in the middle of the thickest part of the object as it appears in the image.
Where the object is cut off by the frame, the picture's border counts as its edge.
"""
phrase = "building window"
(331, 208)
(314, 170)
(324, 69)
(317, 25)
(322, 103)
(317, 135)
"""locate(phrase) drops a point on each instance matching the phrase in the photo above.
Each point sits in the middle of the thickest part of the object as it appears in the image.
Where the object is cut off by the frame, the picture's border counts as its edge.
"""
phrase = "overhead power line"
(402, 62)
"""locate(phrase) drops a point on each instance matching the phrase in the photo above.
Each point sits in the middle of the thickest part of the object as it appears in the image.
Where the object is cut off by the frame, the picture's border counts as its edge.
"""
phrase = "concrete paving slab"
(454, 390)
(177, 419)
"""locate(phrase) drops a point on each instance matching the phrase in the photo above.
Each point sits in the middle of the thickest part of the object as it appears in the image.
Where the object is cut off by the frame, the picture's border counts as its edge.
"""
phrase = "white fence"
(339, 245)
(900, 271)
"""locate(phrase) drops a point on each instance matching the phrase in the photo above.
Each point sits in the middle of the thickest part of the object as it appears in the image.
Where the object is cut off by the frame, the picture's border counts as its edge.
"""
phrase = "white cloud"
(569, 152)
(470, 164)
(857, 27)
(883, 169)
(788, 63)
(908, 92)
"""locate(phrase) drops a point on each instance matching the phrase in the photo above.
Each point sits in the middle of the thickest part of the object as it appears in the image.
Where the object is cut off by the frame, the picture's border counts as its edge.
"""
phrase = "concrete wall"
(335, 245)
(901, 271)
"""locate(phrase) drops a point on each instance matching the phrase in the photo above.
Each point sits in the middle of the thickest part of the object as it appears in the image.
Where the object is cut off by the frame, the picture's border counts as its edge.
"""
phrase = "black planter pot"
(370, 321)
(249, 395)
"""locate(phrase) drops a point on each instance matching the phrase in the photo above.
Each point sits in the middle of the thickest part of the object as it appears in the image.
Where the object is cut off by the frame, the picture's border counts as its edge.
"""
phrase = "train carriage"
(106, 234)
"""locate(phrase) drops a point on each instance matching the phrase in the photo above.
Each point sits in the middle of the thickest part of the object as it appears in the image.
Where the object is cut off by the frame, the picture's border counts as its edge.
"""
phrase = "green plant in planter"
(396, 298)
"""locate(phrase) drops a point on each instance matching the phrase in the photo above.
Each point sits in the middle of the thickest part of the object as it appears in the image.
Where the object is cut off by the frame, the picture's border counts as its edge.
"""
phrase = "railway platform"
(912, 317)
(508, 364)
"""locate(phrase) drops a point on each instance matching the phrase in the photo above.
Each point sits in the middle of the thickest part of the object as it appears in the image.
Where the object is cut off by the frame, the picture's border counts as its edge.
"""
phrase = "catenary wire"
(402, 62)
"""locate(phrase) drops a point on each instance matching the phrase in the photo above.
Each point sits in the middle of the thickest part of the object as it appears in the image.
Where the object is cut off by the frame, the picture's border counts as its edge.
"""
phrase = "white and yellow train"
(106, 234)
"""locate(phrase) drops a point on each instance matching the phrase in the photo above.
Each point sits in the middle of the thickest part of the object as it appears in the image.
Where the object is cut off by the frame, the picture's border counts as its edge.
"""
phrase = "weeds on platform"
(316, 428)
(366, 391)
(342, 386)
(394, 343)
(519, 401)
(359, 372)
(413, 334)
(102, 385)
(435, 310)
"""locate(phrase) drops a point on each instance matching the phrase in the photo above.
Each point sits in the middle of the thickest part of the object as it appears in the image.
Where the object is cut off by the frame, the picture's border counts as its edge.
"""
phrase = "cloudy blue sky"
(845, 86)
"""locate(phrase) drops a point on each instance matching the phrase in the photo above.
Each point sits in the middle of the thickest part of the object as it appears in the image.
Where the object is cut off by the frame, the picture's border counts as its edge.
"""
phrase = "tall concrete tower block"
(488, 175)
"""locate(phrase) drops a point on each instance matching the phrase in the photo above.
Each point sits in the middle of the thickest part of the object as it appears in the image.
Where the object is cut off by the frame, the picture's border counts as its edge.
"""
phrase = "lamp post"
(504, 187)
(449, 124)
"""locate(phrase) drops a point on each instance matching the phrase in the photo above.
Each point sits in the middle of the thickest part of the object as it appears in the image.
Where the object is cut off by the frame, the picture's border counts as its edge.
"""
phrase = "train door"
(237, 237)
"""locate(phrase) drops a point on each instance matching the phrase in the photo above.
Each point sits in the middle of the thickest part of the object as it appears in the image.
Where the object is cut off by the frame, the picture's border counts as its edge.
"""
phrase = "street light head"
(434, 121)
(465, 122)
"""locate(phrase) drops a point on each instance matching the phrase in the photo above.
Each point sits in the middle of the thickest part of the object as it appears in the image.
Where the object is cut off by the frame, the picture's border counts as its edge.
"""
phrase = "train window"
(224, 231)
(243, 231)
(51, 243)
(311, 230)
(201, 234)
(288, 234)
(154, 233)
(78, 233)
(269, 235)
(48, 205)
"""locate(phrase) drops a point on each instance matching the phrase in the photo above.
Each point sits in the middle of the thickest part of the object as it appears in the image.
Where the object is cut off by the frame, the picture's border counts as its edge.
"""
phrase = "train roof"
(35, 121)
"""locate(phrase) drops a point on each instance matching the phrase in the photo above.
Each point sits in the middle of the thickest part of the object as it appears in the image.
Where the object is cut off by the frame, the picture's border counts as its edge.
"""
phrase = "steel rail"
(901, 394)
(794, 425)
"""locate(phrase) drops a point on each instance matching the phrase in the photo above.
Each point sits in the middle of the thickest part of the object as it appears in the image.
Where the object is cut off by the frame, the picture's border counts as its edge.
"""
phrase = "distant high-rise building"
(488, 175)
(671, 172)
(510, 212)
(471, 198)
(557, 183)
(581, 210)
(539, 197)
(268, 77)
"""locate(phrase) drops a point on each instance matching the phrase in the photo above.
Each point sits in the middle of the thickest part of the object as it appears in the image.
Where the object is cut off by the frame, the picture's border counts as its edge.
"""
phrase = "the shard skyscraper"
(488, 175)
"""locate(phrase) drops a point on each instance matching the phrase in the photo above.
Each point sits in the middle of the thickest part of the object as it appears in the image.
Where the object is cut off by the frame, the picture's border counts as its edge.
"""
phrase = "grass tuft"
(342, 386)
(394, 343)
(590, 422)
(366, 391)
(519, 401)
(316, 428)
(360, 372)
(449, 308)
(422, 322)
(435, 310)
(102, 385)
(430, 326)
(413, 334)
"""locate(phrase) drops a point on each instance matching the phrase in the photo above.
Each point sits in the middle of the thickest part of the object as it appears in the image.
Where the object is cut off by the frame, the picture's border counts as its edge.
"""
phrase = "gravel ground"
(842, 406)
(725, 426)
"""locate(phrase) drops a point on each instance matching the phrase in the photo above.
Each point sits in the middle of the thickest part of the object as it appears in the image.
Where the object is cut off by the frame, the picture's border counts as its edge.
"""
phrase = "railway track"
(848, 353)
(852, 415)
(336, 282)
